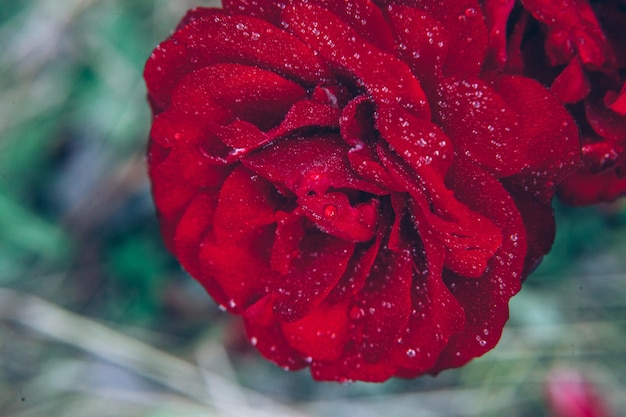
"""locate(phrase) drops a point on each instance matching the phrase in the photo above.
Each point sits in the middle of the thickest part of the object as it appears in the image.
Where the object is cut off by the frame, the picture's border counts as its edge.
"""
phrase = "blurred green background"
(96, 319)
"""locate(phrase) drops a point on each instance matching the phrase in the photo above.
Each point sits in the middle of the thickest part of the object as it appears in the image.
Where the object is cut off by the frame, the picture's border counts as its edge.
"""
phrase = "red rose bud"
(353, 178)
(577, 48)
(570, 394)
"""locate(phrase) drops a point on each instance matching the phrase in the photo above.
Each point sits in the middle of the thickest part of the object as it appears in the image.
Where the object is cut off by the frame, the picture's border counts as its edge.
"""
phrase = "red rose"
(352, 179)
(572, 394)
(579, 50)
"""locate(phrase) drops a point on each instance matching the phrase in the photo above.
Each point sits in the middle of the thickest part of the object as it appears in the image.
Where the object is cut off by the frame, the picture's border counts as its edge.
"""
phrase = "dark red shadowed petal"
(435, 316)
(358, 269)
(583, 187)
(265, 333)
(572, 29)
(497, 15)
(485, 300)
(538, 218)
(616, 102)
(225, 92)
(602, 154)
(357, 129)
(384, 76)
(604, 121)
(470, 239)
(572, 84)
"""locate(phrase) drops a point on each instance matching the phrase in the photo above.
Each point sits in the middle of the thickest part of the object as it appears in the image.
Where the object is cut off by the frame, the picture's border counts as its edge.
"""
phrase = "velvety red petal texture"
(360, 180)
(577, 47)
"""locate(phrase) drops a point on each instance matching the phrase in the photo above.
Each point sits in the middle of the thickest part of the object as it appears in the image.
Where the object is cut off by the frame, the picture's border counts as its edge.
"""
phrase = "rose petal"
(385, 301)
(308, 113)
(195, 222)
(351, 368)
(584, 188)
(571, 85)
(551, 134)
(385, 77)
(419, 142)
(322, 334)
(468, 41)
(265, 333)
(422, 43)
(245, 204)
(485, 300)
(497, 15)
(482, 125)
(229, 39)
(322, 261)
(435, 314)
(358, 270)
(225, 92)
(616, 102)
(572, 26)
(604, 121)
(240, 269)
(333, 213)
(307, 166)
(357, 129)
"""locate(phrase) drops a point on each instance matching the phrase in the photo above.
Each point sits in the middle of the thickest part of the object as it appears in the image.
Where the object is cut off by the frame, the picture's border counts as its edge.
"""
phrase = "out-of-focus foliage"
(97, 319)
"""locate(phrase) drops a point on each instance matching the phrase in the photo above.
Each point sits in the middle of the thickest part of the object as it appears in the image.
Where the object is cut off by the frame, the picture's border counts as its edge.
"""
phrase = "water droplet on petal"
(470, 12)
(330, 211)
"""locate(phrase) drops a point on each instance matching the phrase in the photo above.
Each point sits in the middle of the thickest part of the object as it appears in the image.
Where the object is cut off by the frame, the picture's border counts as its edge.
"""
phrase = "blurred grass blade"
(180, 376)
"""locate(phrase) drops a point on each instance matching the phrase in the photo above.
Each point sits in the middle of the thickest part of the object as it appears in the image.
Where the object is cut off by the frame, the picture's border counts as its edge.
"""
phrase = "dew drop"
(470, 12)
(411, 353)
(330, 211)
(356, 313)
